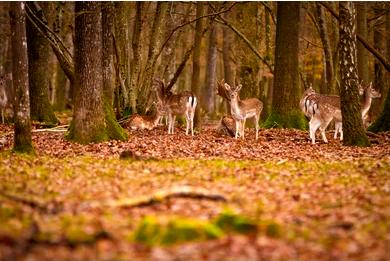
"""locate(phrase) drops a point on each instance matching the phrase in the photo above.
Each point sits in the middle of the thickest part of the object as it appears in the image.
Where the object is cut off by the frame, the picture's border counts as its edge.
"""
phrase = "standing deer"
(3, 98)
(243, 109)
(141, 122)
(322, 109)
(183, 103)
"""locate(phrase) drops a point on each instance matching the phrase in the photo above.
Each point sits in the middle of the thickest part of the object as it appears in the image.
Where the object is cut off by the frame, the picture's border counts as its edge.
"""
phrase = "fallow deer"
(243, 109)
(148, 122)
(3, 98)
(183, 103)
(322, 109)
(369, 93)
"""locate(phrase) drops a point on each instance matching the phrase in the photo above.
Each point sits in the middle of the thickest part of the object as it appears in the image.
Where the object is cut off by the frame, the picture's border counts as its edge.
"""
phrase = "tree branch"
(371, 49)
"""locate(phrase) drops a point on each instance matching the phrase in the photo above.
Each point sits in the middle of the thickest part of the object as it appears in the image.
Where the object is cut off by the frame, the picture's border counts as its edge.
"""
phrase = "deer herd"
(321, 109)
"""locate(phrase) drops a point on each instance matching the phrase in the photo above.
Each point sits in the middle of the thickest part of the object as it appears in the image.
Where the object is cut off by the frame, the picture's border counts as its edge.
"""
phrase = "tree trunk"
(353, 129)
(39, 69)
(195, 81)
(362, 55)
(227, 66)
(380, 72)
(285, 105)
(211, 72)
(135, 62)
(154, 45)
(63, 26)
(115, 131)
(382, 123)
(88, 116)
(22, 136)
(122, 41)
(330, 81)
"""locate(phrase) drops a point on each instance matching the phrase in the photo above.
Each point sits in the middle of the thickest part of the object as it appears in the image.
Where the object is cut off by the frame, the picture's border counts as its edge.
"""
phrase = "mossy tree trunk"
(39, 67)
(354, 134)
(22, 136)
(90, 111)
(195, 80)
(114, 130)
(285, 112)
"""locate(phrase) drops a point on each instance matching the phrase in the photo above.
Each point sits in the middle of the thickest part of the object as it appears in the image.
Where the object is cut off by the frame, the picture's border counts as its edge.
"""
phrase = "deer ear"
(227, 86)
(239, 87)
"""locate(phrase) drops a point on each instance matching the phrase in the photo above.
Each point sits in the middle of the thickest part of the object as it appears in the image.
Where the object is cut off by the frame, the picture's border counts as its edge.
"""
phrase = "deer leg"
(243, 128)
(237, 128)
(170, 120)
(173, 123)
(2, 116)
(257, 126)
(314, 124)
(192, 127)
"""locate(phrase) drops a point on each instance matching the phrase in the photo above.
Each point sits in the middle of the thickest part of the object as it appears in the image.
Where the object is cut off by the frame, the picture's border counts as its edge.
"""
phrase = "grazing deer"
(141, 122)
(183, 103)
(243, 109)
(3, 98)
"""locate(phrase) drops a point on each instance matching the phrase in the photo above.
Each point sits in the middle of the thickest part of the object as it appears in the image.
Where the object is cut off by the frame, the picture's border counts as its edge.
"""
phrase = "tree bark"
(195, 81)
(382, 123)
(354, 134)
(22, 136)
(39, 69)
(227, 66)
(211, 72)
(122, 41)
(115, 131)
(330, 81)
(361, 29)
(154, 44)
(88, 116)
(379, 77)
(285, 111)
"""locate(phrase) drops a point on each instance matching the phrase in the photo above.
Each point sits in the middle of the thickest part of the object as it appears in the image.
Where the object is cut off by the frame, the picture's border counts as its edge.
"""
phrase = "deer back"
(176, 103)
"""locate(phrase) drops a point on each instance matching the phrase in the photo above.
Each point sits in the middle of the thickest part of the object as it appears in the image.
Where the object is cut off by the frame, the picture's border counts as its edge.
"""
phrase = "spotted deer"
(3, 98)
(183, 103)
(369, 93)
(322, 109)
(243, 109)
(142, 122)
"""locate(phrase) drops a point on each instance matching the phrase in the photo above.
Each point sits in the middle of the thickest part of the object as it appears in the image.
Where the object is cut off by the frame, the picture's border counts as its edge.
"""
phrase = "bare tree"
(22, 137)
(211, 72)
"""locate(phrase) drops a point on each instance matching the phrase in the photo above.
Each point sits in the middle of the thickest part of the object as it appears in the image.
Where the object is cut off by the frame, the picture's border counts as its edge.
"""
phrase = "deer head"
(233, 91)
(371, 91)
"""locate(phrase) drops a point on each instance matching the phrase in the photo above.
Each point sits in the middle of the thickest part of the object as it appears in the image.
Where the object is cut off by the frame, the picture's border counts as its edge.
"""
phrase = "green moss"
(114, 130)
(229, 221)
(294, 119)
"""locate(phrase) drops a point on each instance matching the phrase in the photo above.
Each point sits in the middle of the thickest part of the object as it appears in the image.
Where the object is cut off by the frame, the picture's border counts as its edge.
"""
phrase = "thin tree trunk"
(195, 81)
(108, 22)
(39, 77)
(88, 116)
(329, 74)
(154, 45)
(379, 78)
(285, 111)
(211, 72)
(354, 134)
(362, 55)
(22, 136)
(122, 40)
(227, 66)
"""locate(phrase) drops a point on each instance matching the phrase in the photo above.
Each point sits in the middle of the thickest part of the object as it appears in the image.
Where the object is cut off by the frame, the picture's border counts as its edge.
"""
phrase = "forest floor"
(207, 197)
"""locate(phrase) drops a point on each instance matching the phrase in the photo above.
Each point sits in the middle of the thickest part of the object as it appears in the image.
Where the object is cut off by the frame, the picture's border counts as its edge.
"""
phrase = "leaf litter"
(321, 202)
